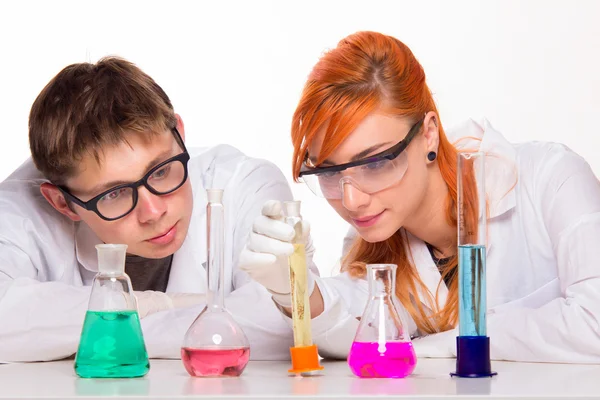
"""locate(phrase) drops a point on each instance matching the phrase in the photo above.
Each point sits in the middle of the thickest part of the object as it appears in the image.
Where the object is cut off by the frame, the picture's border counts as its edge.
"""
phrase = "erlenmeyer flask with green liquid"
(111, 344)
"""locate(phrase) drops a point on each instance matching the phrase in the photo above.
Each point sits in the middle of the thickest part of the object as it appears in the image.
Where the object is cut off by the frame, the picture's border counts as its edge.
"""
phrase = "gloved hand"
(149, 301)
(265, 256)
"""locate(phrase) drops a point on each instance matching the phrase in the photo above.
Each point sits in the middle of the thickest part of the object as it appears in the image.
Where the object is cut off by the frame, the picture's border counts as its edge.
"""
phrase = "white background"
(235, 69)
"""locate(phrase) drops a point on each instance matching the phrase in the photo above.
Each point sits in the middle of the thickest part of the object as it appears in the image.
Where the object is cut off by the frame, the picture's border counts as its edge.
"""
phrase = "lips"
(366, 221)
(166, 237)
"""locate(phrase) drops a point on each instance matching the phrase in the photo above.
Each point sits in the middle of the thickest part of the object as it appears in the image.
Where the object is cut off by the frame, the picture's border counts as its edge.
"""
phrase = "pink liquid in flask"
(389, 360)
(215, 362)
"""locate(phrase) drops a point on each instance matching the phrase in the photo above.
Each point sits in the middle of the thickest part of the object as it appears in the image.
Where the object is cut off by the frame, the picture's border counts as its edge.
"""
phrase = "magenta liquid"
(215, 362)
(391, 360)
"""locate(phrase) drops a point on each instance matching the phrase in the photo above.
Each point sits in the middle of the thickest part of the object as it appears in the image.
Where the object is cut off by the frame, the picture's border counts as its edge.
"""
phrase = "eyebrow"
(358, 156)
(155, 161)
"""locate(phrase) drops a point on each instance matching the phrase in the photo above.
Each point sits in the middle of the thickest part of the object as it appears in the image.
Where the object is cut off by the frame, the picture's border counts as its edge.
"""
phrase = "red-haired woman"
(367, 136)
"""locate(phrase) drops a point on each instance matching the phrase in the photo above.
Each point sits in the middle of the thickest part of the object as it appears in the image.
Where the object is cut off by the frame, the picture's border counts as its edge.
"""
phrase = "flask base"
(385, 360)
(111, 346)
(107, 370)
(215, 362)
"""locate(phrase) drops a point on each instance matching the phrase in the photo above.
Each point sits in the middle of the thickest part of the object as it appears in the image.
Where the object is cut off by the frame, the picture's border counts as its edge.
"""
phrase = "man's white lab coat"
(48, 262)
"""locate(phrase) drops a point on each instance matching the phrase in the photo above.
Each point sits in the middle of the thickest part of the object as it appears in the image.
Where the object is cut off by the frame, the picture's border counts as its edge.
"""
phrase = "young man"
(109, 165)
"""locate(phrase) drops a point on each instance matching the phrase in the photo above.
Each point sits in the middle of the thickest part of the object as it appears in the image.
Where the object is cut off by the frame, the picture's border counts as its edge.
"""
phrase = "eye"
(328, 175)
(162, 172)
(114, 195)
(377, 165)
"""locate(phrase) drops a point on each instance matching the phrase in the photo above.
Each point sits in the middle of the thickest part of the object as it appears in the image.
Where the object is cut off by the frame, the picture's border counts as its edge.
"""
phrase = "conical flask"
(111, 344)
(381, 347)
(215, 345)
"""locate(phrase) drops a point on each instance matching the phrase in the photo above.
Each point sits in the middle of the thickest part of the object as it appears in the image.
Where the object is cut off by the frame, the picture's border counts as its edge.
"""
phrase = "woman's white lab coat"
(543, 269)
(47, 264)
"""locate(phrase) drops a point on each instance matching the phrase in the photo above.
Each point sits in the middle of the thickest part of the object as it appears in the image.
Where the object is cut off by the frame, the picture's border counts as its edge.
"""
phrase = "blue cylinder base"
(473, 357)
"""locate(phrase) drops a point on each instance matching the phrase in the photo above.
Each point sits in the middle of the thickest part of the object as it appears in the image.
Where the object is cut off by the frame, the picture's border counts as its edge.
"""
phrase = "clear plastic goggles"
(369, 175)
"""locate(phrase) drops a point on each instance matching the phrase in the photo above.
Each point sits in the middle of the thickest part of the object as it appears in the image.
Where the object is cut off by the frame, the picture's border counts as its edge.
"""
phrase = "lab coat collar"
(428, 272)
(500, 165)
(187, 270)
(85, 246)
(188, 273)
(501, 177)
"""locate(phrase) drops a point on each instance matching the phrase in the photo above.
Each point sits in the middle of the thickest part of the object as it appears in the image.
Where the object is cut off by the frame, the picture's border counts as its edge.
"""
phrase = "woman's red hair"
(365, 72)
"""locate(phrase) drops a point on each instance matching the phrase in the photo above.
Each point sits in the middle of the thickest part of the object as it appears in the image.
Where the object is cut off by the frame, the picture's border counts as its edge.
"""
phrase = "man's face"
(158, 224)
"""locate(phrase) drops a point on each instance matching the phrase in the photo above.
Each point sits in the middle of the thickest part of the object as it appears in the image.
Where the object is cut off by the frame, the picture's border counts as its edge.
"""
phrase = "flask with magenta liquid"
(111, 343)
(215, 345)
(472, 344)
(381, 348)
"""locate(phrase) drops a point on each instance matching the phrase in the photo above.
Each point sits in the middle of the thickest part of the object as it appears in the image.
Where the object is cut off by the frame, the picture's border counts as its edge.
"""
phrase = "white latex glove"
(149, 302)
(265, 256)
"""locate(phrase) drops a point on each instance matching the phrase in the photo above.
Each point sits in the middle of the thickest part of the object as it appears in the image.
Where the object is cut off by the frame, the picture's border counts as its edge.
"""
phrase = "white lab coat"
(543, 272)
(47, 264)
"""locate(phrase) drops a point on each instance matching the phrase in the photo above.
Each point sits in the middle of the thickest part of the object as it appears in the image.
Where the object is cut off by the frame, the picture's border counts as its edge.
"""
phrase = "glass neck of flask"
(215, 256)
(110, 274)
(381, 279)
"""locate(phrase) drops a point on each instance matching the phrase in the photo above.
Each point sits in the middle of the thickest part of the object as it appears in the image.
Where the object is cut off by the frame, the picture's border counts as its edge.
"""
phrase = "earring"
(431, 155)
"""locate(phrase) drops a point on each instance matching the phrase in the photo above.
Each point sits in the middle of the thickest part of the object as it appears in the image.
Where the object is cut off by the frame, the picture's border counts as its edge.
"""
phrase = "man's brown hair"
(89, 106)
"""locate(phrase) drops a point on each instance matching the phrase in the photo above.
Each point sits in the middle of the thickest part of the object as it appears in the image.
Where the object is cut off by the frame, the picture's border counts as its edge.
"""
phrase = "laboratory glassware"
(111, 343)
(382, 347)
(215, 345)
(305, 355)
(472, 344)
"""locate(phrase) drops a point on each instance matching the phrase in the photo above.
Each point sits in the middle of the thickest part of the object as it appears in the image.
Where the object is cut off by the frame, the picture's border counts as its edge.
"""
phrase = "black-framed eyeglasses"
(117, 202)
(388, 154)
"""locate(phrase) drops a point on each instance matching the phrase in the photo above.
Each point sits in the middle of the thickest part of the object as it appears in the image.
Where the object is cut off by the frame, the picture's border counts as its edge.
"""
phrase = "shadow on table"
(112, 387)
(216, 386)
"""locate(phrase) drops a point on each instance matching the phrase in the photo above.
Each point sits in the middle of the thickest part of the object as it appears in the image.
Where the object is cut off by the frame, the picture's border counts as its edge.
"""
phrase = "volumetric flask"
(381, 347)
(111, 343)
(215, 345)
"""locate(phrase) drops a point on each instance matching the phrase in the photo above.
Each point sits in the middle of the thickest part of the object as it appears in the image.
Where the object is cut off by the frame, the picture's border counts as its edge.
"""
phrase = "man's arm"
(41, 320)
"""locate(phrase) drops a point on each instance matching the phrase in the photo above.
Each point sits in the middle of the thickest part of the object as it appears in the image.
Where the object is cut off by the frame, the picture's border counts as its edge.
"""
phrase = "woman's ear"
(56, 199)
(431, 132)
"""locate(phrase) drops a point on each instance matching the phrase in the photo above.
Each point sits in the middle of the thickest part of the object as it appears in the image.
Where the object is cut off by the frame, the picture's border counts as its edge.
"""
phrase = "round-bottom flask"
(215, 345)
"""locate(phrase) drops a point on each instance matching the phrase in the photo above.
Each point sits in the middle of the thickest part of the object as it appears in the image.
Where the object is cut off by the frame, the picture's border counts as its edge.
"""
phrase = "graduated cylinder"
(471, 243)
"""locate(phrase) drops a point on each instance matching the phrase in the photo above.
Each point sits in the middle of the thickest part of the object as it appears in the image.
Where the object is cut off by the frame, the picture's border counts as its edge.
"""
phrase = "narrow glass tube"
(299, 278)
(215, 216)
(472, 213)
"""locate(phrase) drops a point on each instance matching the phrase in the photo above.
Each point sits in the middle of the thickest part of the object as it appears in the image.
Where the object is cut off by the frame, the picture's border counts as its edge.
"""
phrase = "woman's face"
(377, 215)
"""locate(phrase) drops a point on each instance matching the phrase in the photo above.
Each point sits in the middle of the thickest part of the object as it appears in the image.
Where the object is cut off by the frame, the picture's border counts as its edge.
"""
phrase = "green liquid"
(111, 346)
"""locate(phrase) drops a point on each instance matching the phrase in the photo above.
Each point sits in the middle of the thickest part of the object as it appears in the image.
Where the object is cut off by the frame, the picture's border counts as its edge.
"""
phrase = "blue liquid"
(471, 290)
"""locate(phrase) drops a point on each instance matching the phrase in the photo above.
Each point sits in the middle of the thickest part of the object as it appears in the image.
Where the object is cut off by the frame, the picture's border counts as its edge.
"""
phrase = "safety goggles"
(369, 175)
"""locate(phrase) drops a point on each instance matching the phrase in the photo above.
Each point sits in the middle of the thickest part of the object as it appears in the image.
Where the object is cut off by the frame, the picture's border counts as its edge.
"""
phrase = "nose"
(353, 198)
(150, 207)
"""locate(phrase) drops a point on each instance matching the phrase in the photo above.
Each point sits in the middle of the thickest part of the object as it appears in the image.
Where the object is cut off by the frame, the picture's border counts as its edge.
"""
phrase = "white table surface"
(168, 379)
